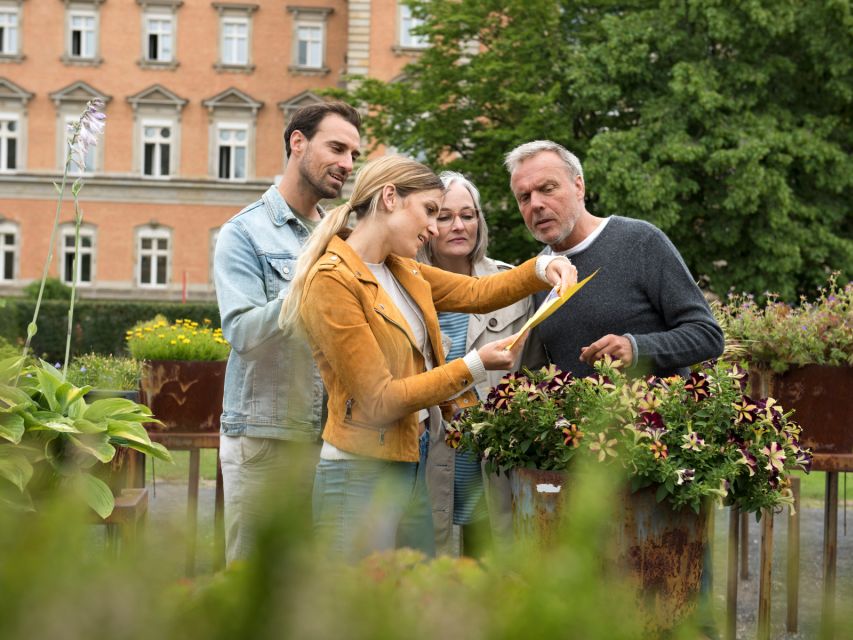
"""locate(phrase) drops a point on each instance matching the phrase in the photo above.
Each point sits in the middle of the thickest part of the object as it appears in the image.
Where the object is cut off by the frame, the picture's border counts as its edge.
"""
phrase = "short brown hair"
(308, 118)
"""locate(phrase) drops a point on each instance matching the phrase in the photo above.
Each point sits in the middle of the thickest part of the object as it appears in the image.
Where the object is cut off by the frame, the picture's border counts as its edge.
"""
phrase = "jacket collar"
(279, 211)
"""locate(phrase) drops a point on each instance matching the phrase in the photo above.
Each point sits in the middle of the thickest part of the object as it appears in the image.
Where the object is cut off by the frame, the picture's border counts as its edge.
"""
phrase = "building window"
(9, 135)
(309, 40)
(8, 250)
(232, 144)
(235, 41)
(85, 255)
(309, 44)
(158, 38)
(154, 252)
(157, 149)
(8, 31)
(83, 34)
(235, 37)
(408, 22)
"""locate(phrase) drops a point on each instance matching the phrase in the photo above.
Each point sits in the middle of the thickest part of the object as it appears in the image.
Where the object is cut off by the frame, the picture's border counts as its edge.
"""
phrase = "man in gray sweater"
(643, 307)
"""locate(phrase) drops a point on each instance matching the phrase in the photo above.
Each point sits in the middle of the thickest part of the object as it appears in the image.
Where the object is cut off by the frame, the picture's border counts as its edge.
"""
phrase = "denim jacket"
(272, 385)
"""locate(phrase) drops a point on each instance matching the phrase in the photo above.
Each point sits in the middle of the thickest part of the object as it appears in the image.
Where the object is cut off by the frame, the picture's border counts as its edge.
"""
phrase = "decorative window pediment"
(78, 92)
(290, 106)
(157, 96)
(233, 99)
(10, 94)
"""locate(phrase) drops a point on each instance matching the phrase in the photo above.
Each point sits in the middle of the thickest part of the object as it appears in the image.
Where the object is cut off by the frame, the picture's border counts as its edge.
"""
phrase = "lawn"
(180, 470)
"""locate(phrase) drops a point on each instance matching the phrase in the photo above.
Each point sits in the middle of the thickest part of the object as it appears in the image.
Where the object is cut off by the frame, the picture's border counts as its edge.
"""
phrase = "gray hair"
(529, 149)
(427, 252)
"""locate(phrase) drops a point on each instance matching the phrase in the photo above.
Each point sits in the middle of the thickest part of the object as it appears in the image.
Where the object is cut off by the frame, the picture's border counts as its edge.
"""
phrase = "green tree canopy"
(726, 124)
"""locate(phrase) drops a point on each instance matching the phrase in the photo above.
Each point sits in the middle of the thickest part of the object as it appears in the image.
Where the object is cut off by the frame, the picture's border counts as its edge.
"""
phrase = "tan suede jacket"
(372, 369)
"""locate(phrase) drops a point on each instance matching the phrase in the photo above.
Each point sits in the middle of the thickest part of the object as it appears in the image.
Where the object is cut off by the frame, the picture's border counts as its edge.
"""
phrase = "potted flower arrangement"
(184, 372)
(681, 443)
(108, 376)
(801, 355)
(51, 437)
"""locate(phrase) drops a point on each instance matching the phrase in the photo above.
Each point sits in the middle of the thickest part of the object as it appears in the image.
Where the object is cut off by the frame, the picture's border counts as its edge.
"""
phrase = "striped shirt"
(468, 492)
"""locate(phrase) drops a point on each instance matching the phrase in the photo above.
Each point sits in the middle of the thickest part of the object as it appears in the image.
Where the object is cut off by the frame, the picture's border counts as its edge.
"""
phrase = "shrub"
(105, 372)
(54, 289)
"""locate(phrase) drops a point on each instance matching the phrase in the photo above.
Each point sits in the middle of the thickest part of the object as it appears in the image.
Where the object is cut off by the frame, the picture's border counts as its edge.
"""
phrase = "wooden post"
(765, 571)
(830, 550)
(192, 510)
(793, 582)
(744, 546)
(732, 576)
(219, 520)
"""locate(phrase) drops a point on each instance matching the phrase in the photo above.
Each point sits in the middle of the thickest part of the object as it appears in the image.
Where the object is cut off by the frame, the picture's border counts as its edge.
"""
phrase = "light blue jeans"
(367, 505)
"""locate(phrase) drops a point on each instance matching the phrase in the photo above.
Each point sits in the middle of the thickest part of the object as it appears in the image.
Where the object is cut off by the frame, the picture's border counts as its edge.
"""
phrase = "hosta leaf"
(15, 467)
(95, 444)
(10, 367)
(108, 408)
(128, 430)
(153, 449)
(14, 396)
(51, 421)
(98, 495)
(87, 426)
(11, 427)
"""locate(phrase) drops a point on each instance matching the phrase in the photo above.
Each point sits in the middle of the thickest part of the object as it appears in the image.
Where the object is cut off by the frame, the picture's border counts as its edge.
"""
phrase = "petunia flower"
(604, 447)
(659, 449)
(746, 411)
(692, 441)
(684, 475)
(698, 387)
(775, 457)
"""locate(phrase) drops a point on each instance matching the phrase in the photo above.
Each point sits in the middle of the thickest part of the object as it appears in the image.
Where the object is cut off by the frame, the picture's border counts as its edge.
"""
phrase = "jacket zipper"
(348, 415)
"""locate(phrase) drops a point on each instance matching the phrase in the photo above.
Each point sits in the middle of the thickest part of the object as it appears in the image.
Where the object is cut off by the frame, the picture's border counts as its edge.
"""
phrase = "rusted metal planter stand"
(821, 397)
(662, 550)
(187, 398)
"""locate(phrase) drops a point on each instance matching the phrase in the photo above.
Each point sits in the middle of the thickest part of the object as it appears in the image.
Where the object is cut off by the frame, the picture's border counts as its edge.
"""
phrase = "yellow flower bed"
(183, 339)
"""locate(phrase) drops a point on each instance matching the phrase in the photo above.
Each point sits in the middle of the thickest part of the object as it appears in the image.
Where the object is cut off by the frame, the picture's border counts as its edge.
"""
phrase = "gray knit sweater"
(643, 289)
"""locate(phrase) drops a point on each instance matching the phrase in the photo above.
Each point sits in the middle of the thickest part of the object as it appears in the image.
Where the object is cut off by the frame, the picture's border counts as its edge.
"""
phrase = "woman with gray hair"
(462, 493)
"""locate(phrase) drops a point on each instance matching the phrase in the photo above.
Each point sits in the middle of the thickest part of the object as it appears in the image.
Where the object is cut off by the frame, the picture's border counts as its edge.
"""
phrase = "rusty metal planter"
(659, 549)
(185, 395)
(822, 397)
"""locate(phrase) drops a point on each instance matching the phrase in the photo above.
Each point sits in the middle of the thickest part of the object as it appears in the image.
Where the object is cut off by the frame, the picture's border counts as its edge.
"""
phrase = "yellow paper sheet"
(549, 306)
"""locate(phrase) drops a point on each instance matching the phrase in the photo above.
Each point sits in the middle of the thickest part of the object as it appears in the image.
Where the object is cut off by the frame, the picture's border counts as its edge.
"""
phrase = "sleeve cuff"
(634, 353)
(542, 263)
(475, 366)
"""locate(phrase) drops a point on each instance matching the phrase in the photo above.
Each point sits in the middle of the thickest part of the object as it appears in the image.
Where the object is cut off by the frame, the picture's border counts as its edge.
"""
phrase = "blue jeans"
(367, 505)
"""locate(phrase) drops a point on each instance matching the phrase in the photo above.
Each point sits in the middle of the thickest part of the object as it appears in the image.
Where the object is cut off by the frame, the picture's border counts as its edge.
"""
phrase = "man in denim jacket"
(273, 406)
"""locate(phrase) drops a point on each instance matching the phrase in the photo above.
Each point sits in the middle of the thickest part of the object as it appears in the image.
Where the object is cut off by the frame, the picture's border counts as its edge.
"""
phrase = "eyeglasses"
(468, 217)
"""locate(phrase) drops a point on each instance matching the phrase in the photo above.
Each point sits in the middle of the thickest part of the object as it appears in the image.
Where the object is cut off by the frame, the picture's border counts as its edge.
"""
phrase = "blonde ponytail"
(332, 224)
(407, 176)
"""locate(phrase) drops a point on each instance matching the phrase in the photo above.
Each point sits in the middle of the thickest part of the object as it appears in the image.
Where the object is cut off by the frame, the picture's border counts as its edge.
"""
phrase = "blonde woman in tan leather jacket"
(462, 493)
(369, 311)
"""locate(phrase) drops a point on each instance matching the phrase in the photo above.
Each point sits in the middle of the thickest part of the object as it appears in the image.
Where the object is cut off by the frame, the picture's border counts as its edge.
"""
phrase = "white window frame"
(157, 123)
(162, 57)
(67, 232)
(153, 233)
(84, 54)
(91, 152)
(10, 31)
(319, 44)
(6, 228)
(6, 135)
(228, 54)
(233, 126)
(406, 23)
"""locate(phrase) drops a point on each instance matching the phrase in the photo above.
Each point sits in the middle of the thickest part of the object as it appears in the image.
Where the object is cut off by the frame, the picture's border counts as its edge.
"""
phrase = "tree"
(728, 125)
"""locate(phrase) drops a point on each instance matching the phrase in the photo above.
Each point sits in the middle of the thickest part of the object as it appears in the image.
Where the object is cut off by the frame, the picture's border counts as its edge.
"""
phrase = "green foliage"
(184, 339)
(728, 125)
(694, 439)
(7, 349)
(105, 372)
(51, 438)
(779, 336)
(54, 289)
(99, 326)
